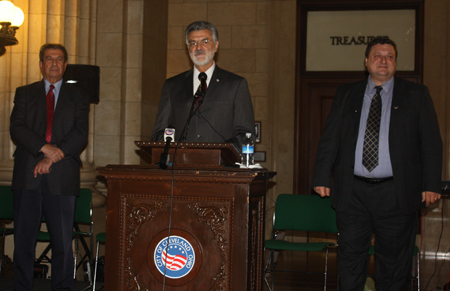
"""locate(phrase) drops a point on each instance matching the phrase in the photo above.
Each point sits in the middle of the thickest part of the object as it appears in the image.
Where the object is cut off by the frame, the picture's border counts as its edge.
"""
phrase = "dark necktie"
(372, 134)
(200, 90)
(50, 112)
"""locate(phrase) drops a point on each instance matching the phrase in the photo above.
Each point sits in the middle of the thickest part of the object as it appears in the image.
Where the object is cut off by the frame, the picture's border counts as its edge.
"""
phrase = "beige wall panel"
(109, 49)
(110, 16)
(133, 86)
(260, 106)
(238, 61)
(108, 119)
(249, 37)
(107, 149)
(234, 13)
(175, 38)
(225, 36)
(177, 61)
(132, 119)
(110, 84)
(183, 14)
(263, 12)
(262, 60)
(257, 83)
(134, 51)
(130, 150)
(135, 17)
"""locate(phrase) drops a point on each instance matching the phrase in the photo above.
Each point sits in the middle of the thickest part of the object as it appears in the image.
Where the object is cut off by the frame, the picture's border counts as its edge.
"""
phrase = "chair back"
(83, 211)
(304, 213)
(6, 203)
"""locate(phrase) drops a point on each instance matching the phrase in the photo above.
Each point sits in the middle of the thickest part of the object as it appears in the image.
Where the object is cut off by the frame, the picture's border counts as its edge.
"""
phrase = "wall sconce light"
(11, 17)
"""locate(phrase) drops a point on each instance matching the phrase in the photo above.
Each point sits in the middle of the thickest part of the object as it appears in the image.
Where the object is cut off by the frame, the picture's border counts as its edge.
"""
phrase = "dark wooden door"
(313, 106)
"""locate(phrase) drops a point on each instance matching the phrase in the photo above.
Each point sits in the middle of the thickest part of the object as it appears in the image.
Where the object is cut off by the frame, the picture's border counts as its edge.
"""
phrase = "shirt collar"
(57, 85)
(208, 72)
(387, 86)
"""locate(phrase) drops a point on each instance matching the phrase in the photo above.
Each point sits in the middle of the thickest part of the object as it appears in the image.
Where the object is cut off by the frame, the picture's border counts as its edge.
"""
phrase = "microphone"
(169, 136)
(202, 77)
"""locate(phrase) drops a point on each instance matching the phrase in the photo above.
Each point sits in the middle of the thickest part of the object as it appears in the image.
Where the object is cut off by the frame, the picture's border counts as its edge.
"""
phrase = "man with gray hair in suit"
(224, 113)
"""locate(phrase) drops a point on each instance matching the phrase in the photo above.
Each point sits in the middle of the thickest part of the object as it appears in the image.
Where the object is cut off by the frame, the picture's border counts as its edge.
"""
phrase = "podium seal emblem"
(174, 256)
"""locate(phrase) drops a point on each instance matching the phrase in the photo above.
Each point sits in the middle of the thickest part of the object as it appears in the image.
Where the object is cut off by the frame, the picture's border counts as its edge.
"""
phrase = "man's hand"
(430, 197)
(53, 153)
(43, 167)
(322, 191)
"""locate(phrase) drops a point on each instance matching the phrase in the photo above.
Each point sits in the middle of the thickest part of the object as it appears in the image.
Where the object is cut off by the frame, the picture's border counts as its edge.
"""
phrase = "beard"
(207, 60)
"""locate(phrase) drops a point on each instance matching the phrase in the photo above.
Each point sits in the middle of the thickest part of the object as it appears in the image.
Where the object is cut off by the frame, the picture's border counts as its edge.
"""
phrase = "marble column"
(71, 23)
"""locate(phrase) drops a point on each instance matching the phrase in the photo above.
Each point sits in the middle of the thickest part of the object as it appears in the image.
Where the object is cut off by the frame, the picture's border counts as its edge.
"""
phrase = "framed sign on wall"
(334, 38)
(334, 34)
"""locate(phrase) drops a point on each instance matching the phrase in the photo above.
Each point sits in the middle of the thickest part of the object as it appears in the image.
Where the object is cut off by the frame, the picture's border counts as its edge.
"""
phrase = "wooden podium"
(217, 224)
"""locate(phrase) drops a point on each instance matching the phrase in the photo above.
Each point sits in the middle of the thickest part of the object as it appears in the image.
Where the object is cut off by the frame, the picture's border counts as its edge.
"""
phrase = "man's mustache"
(199, 52)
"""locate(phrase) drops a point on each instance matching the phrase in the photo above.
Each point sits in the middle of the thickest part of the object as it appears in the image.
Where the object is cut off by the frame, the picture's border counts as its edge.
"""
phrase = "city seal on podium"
(174, 257)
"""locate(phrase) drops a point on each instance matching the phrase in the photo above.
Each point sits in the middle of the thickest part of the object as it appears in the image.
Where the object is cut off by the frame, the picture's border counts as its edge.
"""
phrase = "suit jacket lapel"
(214, 81)
(42, 101)
(188, 84)
(41, 107)
(399, 98)
(356, 101)
(62, 101)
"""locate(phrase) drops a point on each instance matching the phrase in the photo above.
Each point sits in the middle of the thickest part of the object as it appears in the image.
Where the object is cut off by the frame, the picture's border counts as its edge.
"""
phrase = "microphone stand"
(192, 112)
(164, 158)
(202, 77)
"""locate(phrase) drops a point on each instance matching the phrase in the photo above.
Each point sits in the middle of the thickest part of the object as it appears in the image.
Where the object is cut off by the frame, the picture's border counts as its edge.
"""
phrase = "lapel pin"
(395, 107)
(217, 80)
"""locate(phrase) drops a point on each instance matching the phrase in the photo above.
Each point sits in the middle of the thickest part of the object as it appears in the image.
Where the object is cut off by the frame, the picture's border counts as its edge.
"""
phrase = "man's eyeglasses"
(194, 43)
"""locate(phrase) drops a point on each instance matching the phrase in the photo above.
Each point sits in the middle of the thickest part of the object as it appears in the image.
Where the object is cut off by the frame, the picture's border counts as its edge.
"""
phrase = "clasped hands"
(53, 154)
(427, 196)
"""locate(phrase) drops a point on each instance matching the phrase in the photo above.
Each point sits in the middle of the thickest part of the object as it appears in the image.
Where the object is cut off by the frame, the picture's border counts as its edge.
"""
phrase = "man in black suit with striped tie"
(382, 139)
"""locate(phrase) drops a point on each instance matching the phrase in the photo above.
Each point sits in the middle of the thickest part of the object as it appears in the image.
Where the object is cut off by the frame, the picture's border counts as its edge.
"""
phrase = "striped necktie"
(372, 134)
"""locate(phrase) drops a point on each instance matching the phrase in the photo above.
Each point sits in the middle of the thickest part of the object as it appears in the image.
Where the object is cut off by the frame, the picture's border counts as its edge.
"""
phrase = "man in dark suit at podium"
(49, 124)
(382, 139)
(224, 113)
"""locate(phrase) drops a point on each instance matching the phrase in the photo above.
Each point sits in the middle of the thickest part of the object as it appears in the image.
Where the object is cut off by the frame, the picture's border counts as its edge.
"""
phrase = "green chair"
(300, 213)
(101, 238)
(83, 215)
(6, 213)
(414, 275)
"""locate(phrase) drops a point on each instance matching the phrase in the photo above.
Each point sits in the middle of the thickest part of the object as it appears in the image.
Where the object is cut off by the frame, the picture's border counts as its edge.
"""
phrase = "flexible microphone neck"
(198, 96)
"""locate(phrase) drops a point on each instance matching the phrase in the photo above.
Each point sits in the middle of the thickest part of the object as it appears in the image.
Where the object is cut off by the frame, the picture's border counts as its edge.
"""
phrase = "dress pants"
(59, 212)
(374, 209)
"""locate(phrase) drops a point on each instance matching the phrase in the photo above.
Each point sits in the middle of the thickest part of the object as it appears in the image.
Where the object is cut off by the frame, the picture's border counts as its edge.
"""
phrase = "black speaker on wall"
(86, 77)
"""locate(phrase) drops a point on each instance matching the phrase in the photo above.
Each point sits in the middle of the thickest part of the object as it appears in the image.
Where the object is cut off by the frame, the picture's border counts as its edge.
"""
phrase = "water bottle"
(248, 150)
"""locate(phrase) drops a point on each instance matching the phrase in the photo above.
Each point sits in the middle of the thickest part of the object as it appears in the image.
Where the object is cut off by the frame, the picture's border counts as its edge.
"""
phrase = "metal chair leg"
(1, 254)
(268, 269)
(75, 259)
(418, 271)
(95, 268)
(326, 269)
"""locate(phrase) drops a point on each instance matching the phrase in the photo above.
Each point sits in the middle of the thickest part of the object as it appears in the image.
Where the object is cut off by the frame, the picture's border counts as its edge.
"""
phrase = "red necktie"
(50, 112)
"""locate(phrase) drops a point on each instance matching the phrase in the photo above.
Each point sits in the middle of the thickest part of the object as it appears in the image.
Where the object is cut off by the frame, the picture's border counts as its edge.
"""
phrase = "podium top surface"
(192, 154)
(140, 171)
